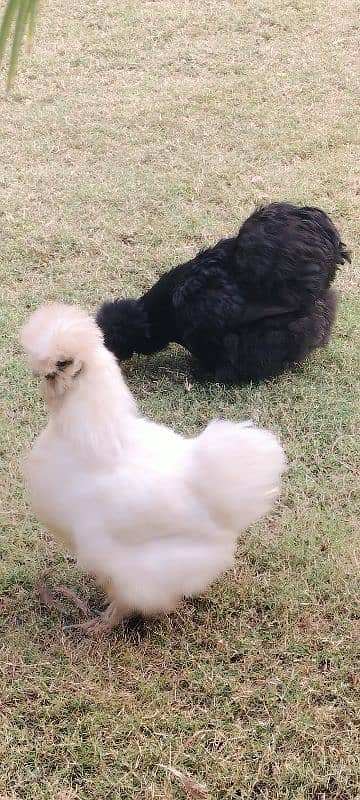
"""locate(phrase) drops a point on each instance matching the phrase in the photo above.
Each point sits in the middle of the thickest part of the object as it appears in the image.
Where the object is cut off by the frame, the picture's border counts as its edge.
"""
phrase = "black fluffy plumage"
(248, 308)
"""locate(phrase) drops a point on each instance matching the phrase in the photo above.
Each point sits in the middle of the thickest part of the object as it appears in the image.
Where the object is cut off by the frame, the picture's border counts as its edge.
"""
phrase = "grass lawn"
(136, 133)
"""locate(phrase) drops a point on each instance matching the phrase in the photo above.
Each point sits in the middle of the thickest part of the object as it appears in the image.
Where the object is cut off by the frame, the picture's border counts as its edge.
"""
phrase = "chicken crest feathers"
(56, 329)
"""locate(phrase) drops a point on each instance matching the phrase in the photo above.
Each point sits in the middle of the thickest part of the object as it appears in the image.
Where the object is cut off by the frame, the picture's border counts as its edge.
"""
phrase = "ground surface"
(136, 133)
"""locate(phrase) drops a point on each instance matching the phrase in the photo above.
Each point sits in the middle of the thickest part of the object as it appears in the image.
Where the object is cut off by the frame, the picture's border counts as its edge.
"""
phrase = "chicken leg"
(104, 623)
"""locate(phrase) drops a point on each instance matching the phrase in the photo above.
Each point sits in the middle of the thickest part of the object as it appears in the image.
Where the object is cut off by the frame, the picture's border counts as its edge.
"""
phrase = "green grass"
(136, 133)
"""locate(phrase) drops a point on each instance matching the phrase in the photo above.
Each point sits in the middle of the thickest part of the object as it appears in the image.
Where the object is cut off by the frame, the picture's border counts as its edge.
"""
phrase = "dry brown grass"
(136, 133)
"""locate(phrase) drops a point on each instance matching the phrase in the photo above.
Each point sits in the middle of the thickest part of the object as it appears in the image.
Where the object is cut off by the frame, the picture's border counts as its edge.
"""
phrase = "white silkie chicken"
(153, 515)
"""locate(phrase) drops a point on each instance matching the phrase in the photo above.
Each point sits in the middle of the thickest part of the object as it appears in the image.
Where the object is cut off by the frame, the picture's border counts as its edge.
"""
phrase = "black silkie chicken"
(248, 308)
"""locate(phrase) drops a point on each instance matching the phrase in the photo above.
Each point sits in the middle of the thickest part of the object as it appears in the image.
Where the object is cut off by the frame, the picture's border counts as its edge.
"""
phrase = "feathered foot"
(102, 624)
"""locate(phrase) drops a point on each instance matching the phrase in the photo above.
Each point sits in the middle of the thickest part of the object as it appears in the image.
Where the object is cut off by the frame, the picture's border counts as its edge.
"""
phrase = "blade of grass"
(32, 22)
(8, 17)
(24, 12)
(22, 17)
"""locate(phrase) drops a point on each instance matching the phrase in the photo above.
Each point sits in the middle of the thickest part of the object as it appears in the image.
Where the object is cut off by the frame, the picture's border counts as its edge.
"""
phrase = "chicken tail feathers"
(239, 471)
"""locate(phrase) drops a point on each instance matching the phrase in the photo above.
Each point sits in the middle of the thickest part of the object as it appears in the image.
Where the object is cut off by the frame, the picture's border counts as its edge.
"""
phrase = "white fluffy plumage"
(153, 515)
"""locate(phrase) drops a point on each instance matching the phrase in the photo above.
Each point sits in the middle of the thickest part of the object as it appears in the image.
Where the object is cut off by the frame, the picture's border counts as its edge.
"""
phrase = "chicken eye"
(65, 363)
